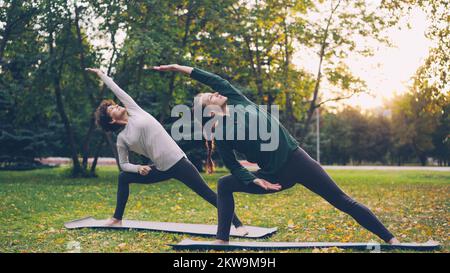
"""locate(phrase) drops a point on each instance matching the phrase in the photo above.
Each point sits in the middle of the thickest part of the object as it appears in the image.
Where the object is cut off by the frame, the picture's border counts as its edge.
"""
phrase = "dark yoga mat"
(193, 229)
(188, 244)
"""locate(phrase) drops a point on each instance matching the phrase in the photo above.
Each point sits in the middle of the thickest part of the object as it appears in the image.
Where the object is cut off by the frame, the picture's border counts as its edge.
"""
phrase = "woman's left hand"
(267, 185)
(95, 71)
(144, 169)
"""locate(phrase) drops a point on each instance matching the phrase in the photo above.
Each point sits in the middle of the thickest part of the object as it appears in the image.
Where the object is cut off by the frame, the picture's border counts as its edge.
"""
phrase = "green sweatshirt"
(269, 161)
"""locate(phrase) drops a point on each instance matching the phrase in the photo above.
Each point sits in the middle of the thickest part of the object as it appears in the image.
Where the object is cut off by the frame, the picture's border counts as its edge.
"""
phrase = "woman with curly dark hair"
(140, 132)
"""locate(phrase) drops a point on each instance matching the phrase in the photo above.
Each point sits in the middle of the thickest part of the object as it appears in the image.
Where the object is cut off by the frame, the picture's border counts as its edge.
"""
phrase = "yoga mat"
(193, 229)
(188, 244)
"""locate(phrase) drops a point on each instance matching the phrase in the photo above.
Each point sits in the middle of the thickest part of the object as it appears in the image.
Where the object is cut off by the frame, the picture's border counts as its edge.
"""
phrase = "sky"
(390, 69)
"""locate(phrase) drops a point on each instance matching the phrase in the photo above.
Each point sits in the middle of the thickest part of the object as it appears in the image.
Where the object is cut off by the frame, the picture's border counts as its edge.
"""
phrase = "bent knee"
(223, 184)
(123, 177)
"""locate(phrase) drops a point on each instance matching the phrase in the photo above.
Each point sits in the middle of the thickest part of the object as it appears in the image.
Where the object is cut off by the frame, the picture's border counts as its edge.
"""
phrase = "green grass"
(35, 204)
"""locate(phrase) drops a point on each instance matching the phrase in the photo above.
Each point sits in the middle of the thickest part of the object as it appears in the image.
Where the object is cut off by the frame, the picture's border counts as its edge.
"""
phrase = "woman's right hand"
(267, 185)
(144, 170)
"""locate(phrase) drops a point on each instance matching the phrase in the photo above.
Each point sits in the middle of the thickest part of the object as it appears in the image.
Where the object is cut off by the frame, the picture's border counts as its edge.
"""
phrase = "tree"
(441, 136)
(379, 138)
(438, 61)
(415, 117)
(17, 17)
(430, 90)
(335, 141)
(333, 36)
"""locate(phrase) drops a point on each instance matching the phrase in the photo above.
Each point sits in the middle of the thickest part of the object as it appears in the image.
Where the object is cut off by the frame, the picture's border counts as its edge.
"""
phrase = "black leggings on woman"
(183, 171)
(299, 168)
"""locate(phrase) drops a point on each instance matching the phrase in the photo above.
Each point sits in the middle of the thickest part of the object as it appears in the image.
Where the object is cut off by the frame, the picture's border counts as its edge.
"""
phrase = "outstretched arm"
(174, 67)
(126, 99)
(214, 81)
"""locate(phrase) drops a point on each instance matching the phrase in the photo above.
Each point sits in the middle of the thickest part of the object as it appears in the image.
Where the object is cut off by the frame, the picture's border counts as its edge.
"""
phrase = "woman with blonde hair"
(280, 169)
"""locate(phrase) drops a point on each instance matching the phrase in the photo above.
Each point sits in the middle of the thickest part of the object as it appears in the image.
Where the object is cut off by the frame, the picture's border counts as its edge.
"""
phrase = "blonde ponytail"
(210, 146)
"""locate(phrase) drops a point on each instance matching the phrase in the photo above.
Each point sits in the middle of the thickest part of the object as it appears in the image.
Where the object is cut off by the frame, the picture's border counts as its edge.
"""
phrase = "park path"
(253, 167)
(109, 161)
(390, 168)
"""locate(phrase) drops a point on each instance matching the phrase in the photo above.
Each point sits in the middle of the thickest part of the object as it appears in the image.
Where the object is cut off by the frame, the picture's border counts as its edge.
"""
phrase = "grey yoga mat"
(193, 229)
(188, 244)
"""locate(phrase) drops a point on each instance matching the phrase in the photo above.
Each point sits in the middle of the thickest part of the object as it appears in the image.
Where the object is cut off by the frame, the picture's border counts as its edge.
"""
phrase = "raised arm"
(214, 81)
(126, 99)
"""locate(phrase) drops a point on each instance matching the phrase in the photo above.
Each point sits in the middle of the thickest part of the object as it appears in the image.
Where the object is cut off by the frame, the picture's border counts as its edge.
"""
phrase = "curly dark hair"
(103, 120)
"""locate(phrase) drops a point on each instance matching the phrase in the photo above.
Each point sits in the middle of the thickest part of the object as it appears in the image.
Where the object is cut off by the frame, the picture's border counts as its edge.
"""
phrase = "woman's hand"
(174, 67)
(95, 70)
(144, 170)
(267, 185)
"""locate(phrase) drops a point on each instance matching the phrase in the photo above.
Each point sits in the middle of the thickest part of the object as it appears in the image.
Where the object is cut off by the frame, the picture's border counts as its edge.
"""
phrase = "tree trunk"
(259, 81)
(423, 159)
(113, 147)
(96, 156)
(68, 128)
(56, 74)
(289, 117)
(88, 89)
(312, 105)
(166, 99)
(94, 101)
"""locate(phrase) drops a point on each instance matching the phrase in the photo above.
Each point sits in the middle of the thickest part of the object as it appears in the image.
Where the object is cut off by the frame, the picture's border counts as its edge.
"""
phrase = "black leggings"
(183, 171)
(299, 168)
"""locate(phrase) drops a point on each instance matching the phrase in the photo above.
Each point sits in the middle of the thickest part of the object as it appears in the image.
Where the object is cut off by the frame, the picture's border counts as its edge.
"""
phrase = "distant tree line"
(47, 99)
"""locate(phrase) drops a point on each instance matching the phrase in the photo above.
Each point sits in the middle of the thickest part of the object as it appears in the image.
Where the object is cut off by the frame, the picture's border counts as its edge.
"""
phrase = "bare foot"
(221, 242)
(241, 231)
(394, 241)
(113, 222)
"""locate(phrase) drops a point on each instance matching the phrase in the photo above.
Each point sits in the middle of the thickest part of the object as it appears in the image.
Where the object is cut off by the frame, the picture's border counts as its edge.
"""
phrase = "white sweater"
(143, 134)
